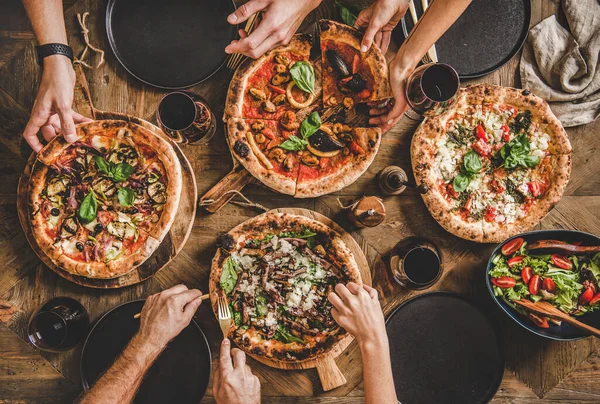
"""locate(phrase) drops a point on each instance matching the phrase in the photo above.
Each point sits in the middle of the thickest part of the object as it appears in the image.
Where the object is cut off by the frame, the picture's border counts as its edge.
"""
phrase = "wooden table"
(536, 368)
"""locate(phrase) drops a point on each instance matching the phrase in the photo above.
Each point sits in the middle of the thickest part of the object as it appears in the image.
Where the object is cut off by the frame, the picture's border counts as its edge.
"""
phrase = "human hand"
(357, 310)
(380, 18)
(52, 111)
(279, 21)
(234, 382)
(167, 313)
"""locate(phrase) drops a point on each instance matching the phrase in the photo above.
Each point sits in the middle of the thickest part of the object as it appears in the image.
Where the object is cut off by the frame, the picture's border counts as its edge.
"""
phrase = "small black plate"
(563, 332)
(444, 350)
(180, 374)
(170, 44)
(486, 36)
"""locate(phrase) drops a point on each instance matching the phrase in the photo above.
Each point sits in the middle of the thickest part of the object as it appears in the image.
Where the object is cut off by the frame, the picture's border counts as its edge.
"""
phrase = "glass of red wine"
(186, 117)
(58, 325)
(431, 89)
(416, 263)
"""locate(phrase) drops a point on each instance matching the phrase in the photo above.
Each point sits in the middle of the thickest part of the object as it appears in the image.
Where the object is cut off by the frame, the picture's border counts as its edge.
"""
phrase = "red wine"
(439, 83)
(50, 329)
(421, 265)
(177, 111)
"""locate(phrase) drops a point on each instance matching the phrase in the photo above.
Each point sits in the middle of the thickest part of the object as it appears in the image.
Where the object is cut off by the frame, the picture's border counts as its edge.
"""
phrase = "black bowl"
(564, 332)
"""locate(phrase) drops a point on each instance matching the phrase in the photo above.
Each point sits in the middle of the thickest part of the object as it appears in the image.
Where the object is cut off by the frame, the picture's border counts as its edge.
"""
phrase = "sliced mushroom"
(282, 59)
(281, 158)
(279, 99)
(279, 68)
(289, 163)
(56, 186)
(117, 229)
(256, 252)
(257, 94)
(257, 126)
(275, 152)
(310, 160)
(124, 154)
(104, 186)
(289, 121)
(158, 192)
(280, 78)
(268, 106)
(69, 228)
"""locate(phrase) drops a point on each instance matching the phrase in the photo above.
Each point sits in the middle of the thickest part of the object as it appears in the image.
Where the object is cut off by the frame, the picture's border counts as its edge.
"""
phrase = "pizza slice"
(260, 145)
(350, 76)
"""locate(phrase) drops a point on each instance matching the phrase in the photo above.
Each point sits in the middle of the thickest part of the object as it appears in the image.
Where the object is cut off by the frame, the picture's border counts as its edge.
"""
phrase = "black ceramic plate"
(170, 44)
(564, 332)
(444, 350)
(485, 37)
(180, 374)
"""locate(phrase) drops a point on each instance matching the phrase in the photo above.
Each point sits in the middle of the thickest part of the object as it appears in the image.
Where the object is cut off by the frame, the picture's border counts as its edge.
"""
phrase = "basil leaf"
(310, 125)
(229, 275)
(461, 182)
(103, 165)
(122, 171)
(126, 196)
(282, 334)
(348, 14)
(294, 143)
(88, 208)
(304, 76)
(472, 162)
(531, 161)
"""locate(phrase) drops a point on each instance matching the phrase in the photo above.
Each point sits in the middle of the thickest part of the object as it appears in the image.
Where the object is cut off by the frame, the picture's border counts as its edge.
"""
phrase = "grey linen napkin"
(562, 66)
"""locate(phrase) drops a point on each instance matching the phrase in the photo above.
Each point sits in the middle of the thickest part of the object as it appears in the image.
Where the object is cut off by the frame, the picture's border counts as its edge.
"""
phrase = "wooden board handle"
(237, 179)
(330, 375)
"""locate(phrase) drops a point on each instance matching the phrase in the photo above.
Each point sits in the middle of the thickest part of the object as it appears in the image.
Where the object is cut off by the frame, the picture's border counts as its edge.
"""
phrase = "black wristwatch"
(50, 49)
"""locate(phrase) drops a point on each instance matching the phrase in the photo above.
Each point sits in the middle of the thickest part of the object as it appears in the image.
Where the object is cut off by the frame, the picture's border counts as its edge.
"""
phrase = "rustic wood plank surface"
(537, 369)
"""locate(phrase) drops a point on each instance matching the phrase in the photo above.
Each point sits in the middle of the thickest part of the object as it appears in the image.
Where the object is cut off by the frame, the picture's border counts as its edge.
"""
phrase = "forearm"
(377, 371)
(122, 380)
(431, 26)
(47, 20)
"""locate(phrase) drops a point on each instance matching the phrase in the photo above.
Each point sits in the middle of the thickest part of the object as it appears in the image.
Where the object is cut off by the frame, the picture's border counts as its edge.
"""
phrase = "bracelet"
(50, 49)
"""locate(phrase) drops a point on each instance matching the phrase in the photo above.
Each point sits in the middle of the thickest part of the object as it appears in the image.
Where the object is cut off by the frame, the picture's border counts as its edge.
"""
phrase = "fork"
(431, 55)
(236, 59)
(224, 315)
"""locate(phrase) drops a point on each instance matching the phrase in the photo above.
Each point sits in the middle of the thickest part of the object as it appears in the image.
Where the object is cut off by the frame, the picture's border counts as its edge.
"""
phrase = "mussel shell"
(356, 83)
(338, 64)
(323, 142)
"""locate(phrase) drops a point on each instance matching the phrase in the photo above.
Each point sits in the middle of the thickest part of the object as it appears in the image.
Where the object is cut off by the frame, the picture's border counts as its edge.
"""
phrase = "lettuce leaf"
(229, 275)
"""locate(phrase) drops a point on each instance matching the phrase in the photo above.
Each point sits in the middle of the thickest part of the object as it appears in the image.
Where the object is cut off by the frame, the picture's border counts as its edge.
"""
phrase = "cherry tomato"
(482, 148)
(505, 282)
(595, 300)
(561, 262)
(497, 186)
(355, 148)
(451, 191)
(526, 275)
(366, 93)
(541, 322)
(515, 260)
(534, 188)
(268, 133)
(512, 246)
(490, 214)
(355, 62)
(480, 133)
(586, 296)
(535, 284)
(468, 204)
(505, 133)
(548, 285)
(276, 89)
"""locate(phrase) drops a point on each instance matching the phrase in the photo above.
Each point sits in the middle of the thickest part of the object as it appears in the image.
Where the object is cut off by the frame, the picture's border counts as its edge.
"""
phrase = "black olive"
(98, 228)
(89, 243)
(241, 148)
(55, 212)
(133, 210)
(79, 246)
(109, 207)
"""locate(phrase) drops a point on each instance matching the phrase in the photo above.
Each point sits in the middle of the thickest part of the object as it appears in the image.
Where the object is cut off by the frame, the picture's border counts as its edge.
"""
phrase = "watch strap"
(50, 49)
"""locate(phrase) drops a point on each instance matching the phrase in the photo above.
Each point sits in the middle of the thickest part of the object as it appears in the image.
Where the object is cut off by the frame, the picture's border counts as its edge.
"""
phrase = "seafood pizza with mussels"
(275, 105)
(276, 271)
(99, 207)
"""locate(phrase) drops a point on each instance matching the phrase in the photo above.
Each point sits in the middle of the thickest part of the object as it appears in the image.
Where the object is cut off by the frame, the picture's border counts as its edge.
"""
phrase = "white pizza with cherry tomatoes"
(495, 162)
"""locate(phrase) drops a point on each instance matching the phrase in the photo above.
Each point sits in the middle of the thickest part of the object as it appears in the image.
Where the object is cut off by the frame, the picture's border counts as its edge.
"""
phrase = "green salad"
(569, 282)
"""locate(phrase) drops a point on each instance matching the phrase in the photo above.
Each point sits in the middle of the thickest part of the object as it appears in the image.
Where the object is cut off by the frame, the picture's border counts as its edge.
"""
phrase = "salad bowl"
(562, 332)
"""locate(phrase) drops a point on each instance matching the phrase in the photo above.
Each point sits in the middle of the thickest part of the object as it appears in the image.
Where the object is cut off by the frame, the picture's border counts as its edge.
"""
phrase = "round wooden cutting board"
(329, 374)
(171, 244)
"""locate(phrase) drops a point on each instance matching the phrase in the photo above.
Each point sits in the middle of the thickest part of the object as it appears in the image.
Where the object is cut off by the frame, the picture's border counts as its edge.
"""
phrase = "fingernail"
(226, 341)
(363, 48)
(390, 121)
(232, 18)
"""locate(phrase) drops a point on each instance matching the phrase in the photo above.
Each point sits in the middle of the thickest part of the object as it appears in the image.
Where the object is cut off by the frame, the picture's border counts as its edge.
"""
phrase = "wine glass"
(186, 117)
(416, 263)
(431, 89)
(58, 325)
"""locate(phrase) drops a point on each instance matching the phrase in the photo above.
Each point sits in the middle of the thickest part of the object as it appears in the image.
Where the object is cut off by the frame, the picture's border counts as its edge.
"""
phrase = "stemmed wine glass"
(431, 89)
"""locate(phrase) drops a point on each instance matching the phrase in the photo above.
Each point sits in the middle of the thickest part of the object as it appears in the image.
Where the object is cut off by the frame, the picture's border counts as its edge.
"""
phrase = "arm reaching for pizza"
(279, 21)
(379, 19)
(357, 309)
(52, 111)
(234, 382)
(164, 316)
